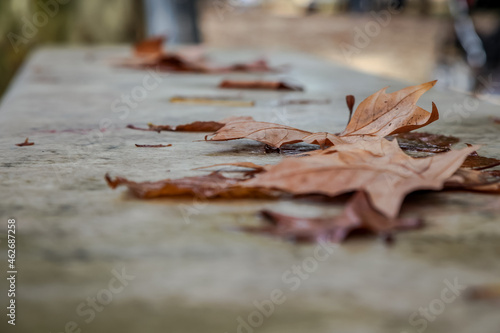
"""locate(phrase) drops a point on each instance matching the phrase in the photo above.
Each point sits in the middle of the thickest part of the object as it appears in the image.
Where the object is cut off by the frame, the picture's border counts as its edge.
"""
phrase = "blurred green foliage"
(27, 24)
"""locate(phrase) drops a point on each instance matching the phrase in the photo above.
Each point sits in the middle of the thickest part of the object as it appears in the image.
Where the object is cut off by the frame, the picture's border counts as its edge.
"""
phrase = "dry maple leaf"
(197, 126)
(379, 115)
(25, 143)
(358, 215)
(386, 178)
(383, 114)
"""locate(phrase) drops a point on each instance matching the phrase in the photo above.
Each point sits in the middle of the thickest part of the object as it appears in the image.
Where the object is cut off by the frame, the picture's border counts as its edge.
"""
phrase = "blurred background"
(455, 41)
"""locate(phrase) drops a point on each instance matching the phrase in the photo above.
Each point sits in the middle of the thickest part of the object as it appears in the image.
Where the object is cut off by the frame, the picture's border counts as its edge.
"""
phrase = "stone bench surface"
(187, 268)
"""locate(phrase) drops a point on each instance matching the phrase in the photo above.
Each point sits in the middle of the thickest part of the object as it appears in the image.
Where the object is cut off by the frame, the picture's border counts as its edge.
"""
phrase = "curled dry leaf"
(197, 126)
(358, 215)
(25, 143)
(260, 85)
(383, 114)
(153, 146)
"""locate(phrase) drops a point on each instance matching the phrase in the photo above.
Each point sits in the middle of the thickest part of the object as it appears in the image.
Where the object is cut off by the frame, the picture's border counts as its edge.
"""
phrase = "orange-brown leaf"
(383, 114)
(386, 178)
(214, 185)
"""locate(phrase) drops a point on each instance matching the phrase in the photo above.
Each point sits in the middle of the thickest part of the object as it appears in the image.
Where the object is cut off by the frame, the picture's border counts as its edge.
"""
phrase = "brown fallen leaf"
(197, 126)
(214, 185)
(260, 85)
(25, 143)
(220, 101)
(386, 178)
(358, 215)
(383, 114)
(150, 54)
(153, 146)
(379, 115)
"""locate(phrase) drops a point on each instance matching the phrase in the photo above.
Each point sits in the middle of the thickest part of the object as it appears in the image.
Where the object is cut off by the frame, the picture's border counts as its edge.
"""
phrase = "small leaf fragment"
(259, 85)
(25, 143)
(153, 146)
